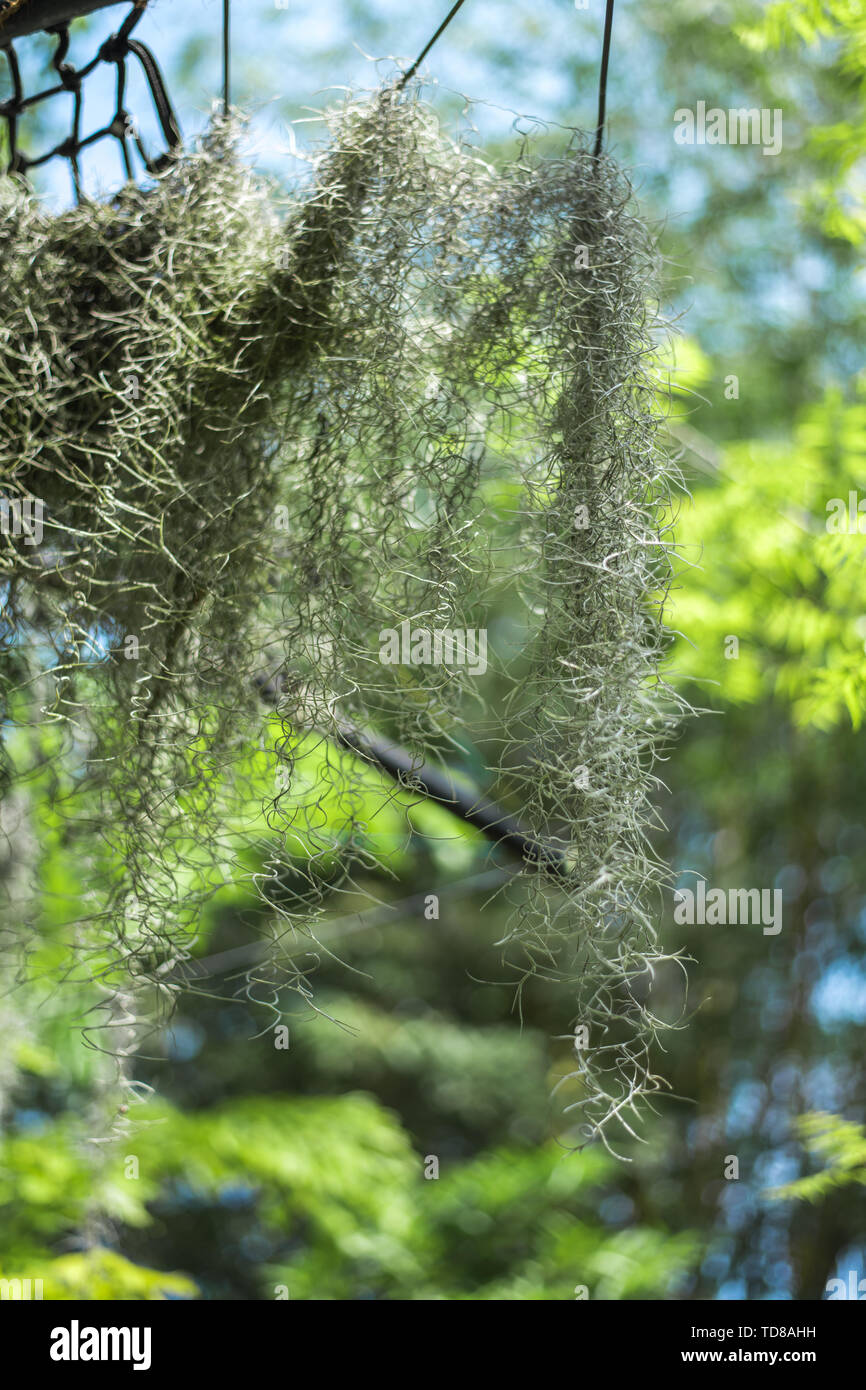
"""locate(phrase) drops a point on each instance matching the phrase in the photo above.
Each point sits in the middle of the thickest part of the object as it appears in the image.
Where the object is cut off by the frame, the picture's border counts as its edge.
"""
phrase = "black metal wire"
(602, 81)
(239, 958)
(226, 55)
(426, 49)
(116, 49)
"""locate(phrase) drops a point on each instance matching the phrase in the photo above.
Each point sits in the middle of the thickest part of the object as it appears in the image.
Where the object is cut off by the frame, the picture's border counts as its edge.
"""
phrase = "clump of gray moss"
(265, 427)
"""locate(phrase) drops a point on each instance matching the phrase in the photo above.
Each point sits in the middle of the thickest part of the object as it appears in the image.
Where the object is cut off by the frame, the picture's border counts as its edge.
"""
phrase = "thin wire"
(602, 81)
(226, 54)
(260, 952)
(426, 49)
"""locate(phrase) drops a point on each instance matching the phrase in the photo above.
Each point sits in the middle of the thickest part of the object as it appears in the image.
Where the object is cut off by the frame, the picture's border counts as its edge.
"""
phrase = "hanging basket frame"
(54, 17)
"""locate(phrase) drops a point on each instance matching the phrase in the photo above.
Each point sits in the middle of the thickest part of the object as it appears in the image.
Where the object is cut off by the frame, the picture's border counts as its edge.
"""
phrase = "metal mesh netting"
(16, 20)
(309, 443)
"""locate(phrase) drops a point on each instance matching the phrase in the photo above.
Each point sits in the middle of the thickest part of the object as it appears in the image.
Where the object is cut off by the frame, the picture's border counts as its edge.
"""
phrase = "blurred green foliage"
(336, 1206)
(770, 573)
(841, 1146)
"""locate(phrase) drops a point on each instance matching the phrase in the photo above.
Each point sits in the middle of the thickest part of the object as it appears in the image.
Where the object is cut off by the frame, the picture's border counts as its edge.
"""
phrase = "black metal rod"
(37, 15)
(226, 56)
(438, 786)
(469, 805)
(602, 81)
(426, 49)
